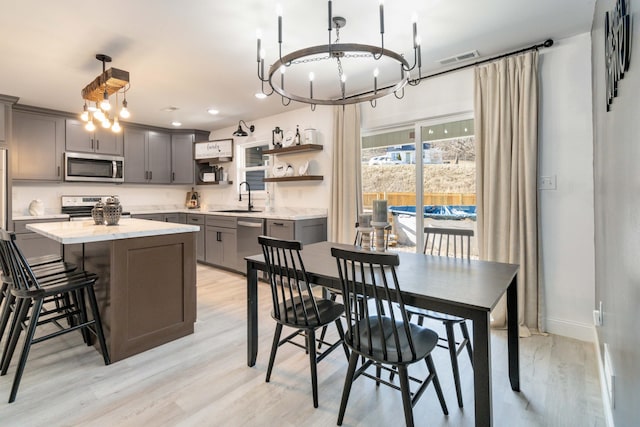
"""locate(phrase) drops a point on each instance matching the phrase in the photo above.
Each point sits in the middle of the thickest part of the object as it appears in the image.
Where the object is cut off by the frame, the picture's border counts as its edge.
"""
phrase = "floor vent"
(460, 57)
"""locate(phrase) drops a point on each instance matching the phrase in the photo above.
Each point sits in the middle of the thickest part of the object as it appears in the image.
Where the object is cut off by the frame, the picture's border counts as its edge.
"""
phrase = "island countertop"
(86, 231)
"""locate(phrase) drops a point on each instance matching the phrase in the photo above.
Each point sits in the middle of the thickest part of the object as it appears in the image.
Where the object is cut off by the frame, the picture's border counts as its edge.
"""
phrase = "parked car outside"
(384, 160)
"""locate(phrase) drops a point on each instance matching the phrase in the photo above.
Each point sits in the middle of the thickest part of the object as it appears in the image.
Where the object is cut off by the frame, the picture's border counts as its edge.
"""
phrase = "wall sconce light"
(276, 137)
(240, 131)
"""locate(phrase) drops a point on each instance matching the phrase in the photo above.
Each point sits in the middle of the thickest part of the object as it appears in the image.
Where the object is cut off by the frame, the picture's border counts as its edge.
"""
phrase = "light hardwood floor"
(203, 380)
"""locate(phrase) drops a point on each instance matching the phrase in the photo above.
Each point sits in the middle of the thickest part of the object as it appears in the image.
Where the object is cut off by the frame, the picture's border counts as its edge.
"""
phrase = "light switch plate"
(547, 182)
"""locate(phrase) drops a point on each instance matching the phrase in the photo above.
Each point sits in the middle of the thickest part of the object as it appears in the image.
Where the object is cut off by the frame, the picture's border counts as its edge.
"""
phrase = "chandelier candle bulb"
(380, 211)
(279, 13)
(259, 41)
(330, 18)
(414, 19)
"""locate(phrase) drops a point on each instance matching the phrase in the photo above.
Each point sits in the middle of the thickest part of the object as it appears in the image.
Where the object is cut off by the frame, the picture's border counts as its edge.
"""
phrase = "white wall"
(566, 214)
(302, 194)
(565, 138)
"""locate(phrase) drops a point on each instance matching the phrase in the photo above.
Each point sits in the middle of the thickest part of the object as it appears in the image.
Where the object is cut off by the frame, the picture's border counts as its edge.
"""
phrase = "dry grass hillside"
(439, 178)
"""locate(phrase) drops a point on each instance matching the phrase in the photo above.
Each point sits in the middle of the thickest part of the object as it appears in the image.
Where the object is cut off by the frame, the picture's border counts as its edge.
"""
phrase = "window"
(252, 164)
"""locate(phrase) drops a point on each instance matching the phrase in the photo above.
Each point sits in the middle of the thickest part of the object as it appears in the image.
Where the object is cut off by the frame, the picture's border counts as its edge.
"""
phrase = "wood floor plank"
(203, 380)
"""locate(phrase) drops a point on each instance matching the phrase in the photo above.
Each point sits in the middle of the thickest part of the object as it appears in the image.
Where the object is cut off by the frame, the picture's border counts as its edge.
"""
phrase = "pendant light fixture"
(111, 81)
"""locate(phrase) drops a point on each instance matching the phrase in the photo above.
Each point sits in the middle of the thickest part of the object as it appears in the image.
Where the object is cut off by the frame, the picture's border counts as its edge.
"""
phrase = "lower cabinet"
(221, 246)
(305, 230)
(177, 217)
(33, 244)
(198, 219)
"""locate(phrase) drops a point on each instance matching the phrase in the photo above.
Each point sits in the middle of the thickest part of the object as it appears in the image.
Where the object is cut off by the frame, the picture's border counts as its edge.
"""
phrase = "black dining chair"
(296, 306)
(43, 267)
(69, 313)
(381, 332)
(451, 242)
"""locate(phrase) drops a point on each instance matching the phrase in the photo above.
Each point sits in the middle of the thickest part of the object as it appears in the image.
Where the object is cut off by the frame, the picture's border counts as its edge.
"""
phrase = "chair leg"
(332, 297)
(78, 297)
(453, 354)
(274, 350)
(465, 334)
(403, 374)
(33, 322)
(98, 325)
(351, 370)
(19, 314)
(313, 364)
(341, 334)
(436, 383)
(6, 313)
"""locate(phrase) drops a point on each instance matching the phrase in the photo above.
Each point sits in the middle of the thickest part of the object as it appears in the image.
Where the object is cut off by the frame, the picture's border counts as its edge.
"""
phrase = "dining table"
(466, 288)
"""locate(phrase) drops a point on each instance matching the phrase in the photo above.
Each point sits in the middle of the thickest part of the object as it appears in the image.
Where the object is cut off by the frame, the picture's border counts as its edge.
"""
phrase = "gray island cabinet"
(147, 278)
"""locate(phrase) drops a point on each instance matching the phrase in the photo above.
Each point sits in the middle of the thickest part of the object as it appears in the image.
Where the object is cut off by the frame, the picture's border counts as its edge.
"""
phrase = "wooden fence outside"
(409, 199)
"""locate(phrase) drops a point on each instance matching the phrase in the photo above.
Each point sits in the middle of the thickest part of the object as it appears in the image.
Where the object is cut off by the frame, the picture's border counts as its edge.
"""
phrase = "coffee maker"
(193, 199)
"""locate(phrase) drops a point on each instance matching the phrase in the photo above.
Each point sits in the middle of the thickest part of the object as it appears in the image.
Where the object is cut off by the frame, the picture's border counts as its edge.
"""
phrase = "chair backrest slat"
(292, 296)
(374, 302)
(453, 238)
(18, 271)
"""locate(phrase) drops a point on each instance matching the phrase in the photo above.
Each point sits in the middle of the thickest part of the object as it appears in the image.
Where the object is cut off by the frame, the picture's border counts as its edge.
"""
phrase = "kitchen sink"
(237, 211)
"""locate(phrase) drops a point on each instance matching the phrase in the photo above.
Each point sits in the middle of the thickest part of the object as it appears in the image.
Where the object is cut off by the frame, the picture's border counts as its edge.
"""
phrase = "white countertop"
(277, 213)
(67, 232)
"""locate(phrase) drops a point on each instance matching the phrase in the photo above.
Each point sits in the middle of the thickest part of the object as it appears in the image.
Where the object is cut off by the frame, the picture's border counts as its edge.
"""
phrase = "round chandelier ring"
(331, 51)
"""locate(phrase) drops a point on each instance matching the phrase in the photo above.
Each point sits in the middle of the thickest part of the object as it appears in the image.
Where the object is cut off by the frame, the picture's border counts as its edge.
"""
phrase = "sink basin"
(237, 211)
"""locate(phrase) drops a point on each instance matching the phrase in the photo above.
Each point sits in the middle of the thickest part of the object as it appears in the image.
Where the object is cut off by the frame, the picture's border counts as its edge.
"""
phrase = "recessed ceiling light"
(176, 124)
(260, 95)
(170, 109)
(213, 111)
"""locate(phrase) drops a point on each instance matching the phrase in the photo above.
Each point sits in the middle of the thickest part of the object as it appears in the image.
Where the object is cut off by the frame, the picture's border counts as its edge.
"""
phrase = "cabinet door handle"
(173, 176)
(279, 224)
(218, 236)
(150, 175)
(58, 170)
(97, 145)
(92, 143)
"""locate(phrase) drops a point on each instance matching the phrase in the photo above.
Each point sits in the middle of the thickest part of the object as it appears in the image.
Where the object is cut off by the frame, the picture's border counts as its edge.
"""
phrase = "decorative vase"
(97, 213)
(112, 211)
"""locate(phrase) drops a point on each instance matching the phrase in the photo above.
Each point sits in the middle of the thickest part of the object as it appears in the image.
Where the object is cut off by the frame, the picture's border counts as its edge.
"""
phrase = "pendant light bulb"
(105, 104)
(90, 126)
(124, 112)
(99, 115)
(106, 123)
(85, 113)
(116, 125)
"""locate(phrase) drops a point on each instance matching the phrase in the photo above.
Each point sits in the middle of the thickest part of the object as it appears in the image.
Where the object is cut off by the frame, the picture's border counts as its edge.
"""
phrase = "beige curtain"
(506, 125)
(346, 188)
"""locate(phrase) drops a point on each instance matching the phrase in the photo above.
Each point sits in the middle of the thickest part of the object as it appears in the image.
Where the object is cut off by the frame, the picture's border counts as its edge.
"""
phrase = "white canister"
(36, 208)
(310, 136)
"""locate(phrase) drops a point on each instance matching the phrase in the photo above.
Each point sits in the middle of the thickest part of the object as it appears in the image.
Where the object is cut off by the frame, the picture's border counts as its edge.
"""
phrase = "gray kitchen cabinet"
(221, 241)
(33, 244)
(37, 146)
(182, 159)
(198, 219)
(100, 141)
(147, 156)
(178, 218)
(151, 217)
(305, 230)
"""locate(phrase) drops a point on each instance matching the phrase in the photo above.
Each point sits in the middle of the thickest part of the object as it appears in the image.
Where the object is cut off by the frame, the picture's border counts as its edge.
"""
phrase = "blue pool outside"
(450, 212)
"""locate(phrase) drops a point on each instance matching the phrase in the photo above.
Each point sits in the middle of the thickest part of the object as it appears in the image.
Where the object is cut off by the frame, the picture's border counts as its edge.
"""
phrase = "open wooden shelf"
(295, 178)
(214, 182)
(294, 149)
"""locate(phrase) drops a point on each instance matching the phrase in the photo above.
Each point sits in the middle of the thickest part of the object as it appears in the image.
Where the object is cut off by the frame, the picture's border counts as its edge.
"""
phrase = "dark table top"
(452, 285)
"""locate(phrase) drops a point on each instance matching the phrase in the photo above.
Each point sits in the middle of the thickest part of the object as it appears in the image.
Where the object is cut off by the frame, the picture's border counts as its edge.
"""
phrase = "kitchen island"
(147, 278)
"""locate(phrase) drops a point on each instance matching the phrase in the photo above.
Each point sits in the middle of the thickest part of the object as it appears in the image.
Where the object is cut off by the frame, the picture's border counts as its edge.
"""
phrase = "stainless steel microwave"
(93, 167)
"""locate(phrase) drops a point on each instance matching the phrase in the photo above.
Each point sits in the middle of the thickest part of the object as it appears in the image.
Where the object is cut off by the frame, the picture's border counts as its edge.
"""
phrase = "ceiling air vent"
(460, 57)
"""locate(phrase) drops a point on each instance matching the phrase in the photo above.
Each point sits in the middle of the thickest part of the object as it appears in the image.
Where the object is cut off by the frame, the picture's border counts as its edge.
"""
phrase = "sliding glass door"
(426, 172)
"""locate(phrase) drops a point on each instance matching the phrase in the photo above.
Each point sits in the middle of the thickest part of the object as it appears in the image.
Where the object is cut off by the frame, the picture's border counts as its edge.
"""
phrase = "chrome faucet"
(240, 194)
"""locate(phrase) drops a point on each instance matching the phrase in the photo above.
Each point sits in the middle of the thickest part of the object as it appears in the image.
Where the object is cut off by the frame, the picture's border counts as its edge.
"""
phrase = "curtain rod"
(546, 43)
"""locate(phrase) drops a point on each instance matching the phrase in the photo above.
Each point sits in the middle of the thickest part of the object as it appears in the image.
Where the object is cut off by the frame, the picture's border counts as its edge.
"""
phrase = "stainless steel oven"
(79, 207)
(93, 167)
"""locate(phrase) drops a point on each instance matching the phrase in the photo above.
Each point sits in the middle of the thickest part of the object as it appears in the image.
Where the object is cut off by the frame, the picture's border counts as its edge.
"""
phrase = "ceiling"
(198, 55)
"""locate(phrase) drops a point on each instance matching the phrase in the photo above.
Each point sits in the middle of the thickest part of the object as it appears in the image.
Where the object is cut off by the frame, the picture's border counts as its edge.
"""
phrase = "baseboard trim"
(579, 331)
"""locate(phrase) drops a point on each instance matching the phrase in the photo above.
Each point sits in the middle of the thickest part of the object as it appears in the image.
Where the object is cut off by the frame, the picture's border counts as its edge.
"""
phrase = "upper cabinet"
(182, 152)
(147, 156)
(37, 146)
(101, 141)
